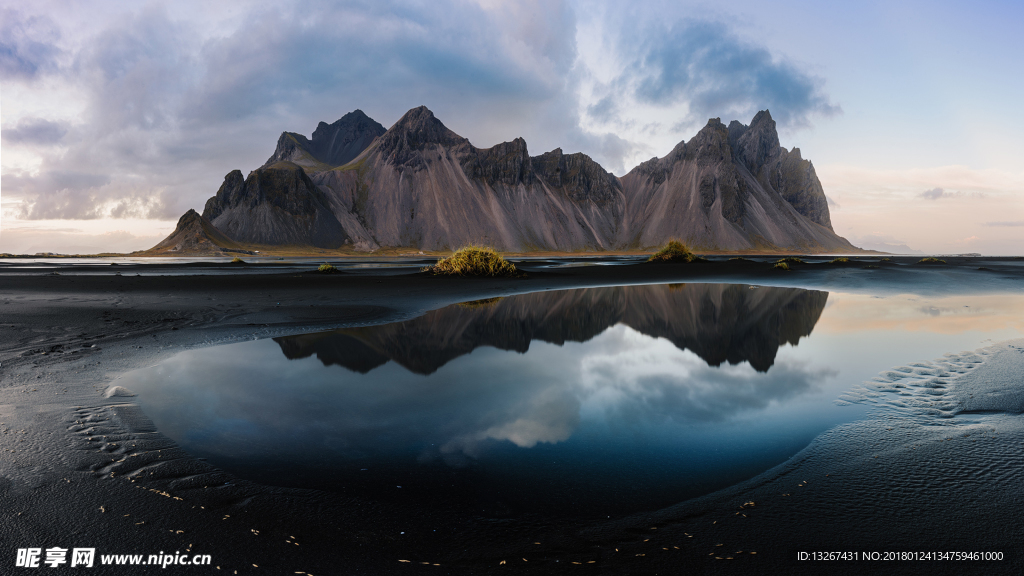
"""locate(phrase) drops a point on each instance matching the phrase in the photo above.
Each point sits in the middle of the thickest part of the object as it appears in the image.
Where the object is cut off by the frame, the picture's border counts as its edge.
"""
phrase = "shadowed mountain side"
(277, 205)
(718, 322)
(332, 144)
(196, 235)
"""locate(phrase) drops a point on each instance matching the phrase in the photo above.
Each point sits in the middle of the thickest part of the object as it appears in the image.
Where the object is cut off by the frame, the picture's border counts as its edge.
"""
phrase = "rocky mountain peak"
(332, 144)
(759, 143)
(414, 131)
(710, 145)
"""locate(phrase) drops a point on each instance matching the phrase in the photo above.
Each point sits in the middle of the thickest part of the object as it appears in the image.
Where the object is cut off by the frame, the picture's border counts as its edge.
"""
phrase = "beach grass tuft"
(485, 303)
(790, 260)
(781, 265)
(474, 261)
(840, 260)
(675, 251)
(931, 260)
(237, 260)
(326, 268)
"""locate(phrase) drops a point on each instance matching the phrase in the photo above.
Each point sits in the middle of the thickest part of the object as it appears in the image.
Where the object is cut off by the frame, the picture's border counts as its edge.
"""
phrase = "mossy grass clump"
(474, 261)
(675, 251)
(484, 303)
(326, 268)
(237, 260)
(840, 260)
(789, 260)
(781, 265)
(931, 260)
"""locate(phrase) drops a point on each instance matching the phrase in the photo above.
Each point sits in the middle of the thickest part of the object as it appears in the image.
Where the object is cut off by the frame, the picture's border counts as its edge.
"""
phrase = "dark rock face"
(718, 322)
(332, 144)
(578, 175)
(757, 147)
(508, 163)
(275, 205)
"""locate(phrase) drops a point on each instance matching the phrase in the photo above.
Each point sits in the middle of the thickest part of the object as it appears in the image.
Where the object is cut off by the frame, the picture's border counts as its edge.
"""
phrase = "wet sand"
(81, 469)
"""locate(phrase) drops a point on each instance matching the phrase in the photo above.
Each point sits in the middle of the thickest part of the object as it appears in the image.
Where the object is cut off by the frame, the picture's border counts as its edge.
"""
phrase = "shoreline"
(72, 477)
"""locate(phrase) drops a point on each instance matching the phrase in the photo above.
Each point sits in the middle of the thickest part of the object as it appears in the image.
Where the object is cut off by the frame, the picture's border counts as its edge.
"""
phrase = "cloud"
(34, 131)
(698, 69)
(1012, 224)
(939, 193)
(27, 45)
(719, 74)
(832, 203)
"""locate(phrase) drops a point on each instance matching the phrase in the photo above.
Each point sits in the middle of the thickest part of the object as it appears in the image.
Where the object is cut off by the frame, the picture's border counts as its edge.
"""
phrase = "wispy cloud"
(1005, 224)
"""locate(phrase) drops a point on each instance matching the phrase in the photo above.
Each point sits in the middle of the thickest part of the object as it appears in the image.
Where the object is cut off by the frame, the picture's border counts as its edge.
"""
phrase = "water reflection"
(592, 401)
(719, 322)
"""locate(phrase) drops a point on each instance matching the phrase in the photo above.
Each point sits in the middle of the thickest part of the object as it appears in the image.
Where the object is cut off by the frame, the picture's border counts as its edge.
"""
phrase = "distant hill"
(420, 185)
(195, 235)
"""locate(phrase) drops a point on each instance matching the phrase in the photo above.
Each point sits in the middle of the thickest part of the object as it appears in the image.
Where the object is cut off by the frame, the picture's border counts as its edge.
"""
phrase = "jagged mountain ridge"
(421, 185)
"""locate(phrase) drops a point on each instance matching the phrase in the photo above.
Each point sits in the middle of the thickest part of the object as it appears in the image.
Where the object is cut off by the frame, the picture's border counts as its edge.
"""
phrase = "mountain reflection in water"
(718, 322)
(588, 401)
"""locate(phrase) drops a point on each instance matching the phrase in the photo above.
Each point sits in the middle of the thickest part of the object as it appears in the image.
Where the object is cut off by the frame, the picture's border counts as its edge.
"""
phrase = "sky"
(117, 117)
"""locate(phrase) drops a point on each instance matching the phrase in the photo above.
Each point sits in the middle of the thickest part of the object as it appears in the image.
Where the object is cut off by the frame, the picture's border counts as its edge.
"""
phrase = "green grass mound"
(840, 260)
(326, 268)
(237, 260)
(781, 265)
(790, 260)
(473, 261)
(930, 260)
(675, 251)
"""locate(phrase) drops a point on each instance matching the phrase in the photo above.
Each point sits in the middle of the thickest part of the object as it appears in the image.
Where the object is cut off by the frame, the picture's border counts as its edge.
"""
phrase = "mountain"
(332, 144)
(731, 188)
(196, 235)
(420, 185)
(275, 205)
(718, 322)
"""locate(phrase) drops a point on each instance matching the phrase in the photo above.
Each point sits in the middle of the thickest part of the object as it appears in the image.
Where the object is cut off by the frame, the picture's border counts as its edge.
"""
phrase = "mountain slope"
(422, 185)
(730, 188)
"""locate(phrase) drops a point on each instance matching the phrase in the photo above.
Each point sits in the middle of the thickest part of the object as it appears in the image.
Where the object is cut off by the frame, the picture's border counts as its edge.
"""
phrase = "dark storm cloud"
(717, 74)
(34, 131)
(27, 45)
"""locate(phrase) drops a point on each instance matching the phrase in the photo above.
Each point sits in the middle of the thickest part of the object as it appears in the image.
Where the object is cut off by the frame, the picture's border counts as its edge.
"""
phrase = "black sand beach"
(84, 467)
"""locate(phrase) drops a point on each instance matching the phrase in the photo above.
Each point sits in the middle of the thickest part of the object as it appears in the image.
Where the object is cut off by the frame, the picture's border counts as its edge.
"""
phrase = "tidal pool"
(588, 403)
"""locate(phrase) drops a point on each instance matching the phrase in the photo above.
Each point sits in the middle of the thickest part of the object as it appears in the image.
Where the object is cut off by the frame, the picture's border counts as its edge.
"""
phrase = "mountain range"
(356, 186)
